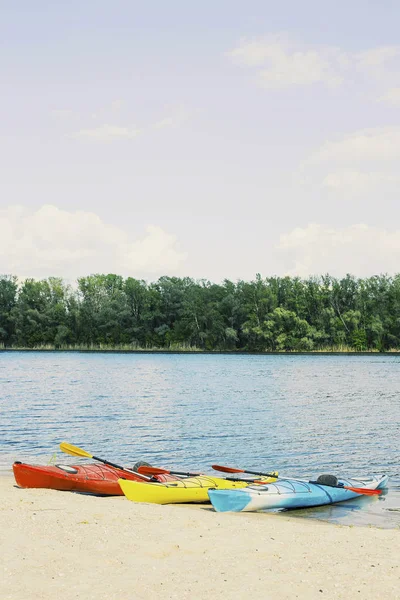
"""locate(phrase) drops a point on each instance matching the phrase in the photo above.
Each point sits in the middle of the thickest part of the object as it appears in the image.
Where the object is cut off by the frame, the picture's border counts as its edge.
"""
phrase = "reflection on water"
(379, 511)
(303, 415)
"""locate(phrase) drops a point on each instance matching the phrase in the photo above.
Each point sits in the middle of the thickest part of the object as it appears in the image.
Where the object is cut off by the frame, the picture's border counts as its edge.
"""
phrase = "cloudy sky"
(211, 139)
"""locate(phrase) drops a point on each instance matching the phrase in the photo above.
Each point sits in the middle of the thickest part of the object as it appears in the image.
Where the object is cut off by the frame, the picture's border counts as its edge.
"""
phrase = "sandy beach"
(67, 546)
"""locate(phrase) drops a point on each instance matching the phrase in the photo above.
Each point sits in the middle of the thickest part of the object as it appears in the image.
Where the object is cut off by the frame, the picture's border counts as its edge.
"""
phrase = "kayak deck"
(191, 489)
(92, 478)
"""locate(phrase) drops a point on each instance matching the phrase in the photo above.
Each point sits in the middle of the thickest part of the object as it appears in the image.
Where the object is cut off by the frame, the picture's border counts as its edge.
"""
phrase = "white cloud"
(178, 115)
(283, 62)
(364, 162)
(392, 97)
(358, 181)
(358, 249)
(299, 68)
(378, 144)
(377, 57)
(52, 241)
(107, 133)
(167, 122)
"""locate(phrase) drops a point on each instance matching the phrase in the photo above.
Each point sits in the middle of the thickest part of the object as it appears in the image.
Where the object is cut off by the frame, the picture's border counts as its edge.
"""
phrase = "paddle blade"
(227, 469)
(364, 491)
(152, 471)
(74, 450)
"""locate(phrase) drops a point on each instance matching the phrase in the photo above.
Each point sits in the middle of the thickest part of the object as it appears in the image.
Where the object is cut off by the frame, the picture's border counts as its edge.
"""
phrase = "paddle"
(159, 471)
(364, 491)
(257, 481)
(75, 451)
(231, 470)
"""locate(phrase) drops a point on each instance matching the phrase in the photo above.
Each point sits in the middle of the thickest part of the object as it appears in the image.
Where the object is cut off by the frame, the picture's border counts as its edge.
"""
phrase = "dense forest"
(271, 314)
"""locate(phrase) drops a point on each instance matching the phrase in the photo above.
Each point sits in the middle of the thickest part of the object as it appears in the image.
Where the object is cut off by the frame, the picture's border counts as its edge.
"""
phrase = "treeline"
(272, 314)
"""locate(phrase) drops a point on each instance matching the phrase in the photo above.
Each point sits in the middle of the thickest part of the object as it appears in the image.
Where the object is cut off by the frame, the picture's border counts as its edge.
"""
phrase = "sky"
(213, 140)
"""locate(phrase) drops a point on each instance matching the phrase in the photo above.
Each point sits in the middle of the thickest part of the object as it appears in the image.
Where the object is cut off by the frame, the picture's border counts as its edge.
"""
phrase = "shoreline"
(66, 545)
(202, 352)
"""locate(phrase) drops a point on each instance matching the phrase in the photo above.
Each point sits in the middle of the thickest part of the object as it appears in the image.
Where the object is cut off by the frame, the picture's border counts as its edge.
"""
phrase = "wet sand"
(67, 546)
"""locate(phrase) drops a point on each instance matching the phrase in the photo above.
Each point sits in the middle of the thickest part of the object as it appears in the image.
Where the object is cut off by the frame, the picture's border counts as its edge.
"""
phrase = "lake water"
(303, 415)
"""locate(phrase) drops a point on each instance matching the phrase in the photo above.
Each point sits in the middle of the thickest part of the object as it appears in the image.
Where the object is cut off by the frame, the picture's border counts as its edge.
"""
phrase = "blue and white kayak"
(290, 493)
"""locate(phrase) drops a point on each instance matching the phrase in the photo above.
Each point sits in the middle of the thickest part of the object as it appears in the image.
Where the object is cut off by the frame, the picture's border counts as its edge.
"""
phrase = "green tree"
(8, 300)
(275, 313)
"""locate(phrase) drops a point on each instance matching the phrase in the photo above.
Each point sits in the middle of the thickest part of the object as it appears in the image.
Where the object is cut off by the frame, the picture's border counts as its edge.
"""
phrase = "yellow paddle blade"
(74, 450)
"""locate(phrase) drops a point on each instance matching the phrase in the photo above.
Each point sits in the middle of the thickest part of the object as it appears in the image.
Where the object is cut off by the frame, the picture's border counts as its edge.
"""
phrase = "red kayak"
(93, 478)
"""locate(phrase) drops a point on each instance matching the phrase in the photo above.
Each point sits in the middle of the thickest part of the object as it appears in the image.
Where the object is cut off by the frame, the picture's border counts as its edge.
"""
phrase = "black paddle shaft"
(261, 474)
(107, 462)
(240, 479)
(185, 474)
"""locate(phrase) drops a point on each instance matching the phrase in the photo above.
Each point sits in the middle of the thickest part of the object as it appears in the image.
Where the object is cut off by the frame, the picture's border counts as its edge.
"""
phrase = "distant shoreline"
(203, 352)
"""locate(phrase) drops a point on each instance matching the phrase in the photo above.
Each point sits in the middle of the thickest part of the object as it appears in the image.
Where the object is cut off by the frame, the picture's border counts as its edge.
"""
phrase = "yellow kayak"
(190, 489)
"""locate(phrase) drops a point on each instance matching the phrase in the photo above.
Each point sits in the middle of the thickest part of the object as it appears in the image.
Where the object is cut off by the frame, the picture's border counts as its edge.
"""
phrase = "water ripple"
(299, 414)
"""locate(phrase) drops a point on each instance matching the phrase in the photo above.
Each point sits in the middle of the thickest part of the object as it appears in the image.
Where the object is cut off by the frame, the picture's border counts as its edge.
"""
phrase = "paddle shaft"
(231, 470)
(160, 471)
(257, 481)
(183, 474)
(111, 464)
(261, 474)
(76, 451)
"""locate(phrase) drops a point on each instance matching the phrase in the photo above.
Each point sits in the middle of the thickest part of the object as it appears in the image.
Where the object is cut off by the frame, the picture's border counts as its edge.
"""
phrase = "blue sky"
(212, 140)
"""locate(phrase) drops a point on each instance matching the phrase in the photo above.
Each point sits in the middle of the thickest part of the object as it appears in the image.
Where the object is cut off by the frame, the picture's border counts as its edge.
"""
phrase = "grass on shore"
(341, 349)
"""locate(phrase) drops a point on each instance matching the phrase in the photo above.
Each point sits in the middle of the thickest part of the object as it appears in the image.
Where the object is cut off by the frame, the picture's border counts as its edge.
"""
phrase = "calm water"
(303, 415)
